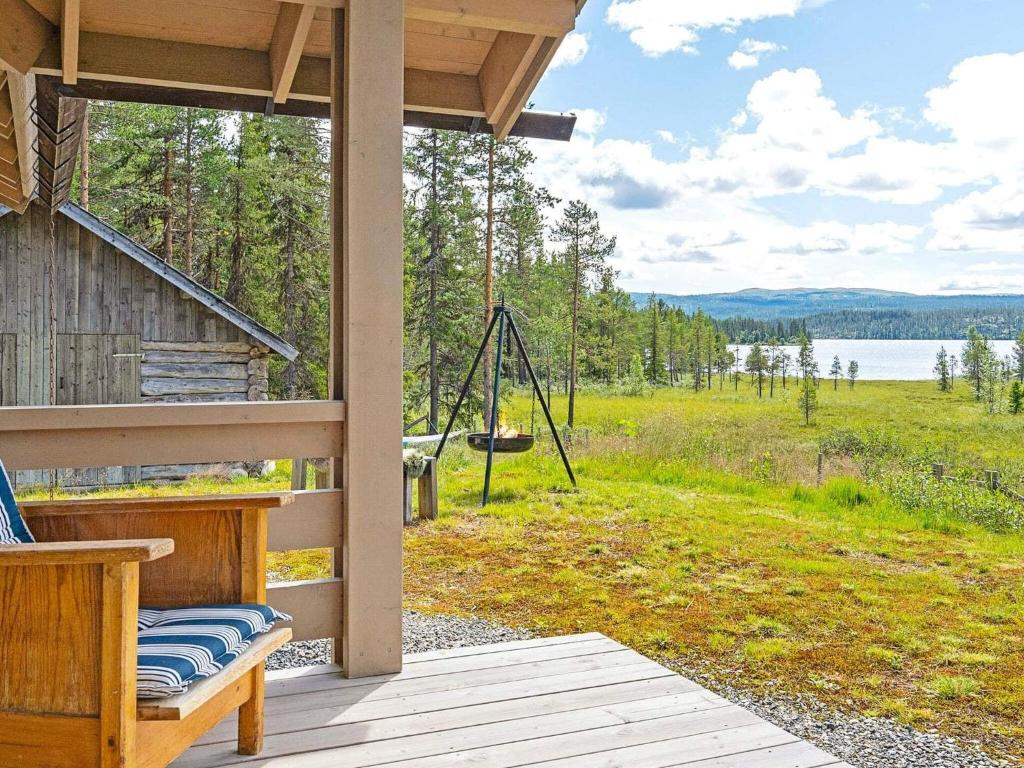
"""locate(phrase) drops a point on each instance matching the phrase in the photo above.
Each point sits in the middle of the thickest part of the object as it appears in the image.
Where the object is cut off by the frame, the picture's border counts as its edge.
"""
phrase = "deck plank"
(436, 667)
(581, 701)
(311, 712)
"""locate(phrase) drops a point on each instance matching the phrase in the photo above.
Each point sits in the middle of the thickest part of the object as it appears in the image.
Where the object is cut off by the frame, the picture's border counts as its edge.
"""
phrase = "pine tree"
(942, 372)
(1016, 398)
(805, 356)
(443, 207)
(853, 372)
(808, 400)
(836, 372)
(774, 363)
(585, 250)
(975, 358)
(655, 355)
(1017, 355)
(756, 365)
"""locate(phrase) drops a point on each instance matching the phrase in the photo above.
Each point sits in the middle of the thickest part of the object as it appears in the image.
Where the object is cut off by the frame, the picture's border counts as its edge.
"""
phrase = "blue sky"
(781, 143)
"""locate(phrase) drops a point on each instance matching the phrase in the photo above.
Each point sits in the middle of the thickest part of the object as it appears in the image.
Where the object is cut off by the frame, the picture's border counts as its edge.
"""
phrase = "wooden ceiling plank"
(6, 112)
(290, 34)
(15, 203)
(70, 23)
(451, 49)
(24, 32)
(443, 93)
(504, 69)
(8, 152)
(165, 64)
(505, 122)
(551, 18)
(161, 62)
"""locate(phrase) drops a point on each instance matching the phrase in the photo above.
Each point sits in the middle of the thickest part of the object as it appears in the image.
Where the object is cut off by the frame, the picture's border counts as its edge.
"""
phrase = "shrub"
(954, 687)
(941, 502)
(886, 656)
(847, 492)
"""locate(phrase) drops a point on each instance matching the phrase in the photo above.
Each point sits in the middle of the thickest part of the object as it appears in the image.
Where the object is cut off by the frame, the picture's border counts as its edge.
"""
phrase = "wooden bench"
(69, 632)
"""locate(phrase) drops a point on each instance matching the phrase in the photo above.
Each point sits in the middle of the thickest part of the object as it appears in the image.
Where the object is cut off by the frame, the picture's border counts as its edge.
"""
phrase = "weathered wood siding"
(99, 289)
(124, 334)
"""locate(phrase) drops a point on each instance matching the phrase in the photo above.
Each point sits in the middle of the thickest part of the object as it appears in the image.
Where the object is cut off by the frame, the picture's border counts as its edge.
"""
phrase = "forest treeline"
(995, 321)
(240, 203)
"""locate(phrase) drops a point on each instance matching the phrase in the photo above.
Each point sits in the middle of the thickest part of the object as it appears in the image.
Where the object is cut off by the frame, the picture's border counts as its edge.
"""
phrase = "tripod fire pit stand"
(490, 441)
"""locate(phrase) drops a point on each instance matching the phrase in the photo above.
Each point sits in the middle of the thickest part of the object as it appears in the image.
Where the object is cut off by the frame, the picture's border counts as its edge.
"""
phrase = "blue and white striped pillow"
(178, 647)
(12, 526)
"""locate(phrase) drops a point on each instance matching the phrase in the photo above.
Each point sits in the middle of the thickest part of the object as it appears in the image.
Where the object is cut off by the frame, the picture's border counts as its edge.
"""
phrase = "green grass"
(699, 536)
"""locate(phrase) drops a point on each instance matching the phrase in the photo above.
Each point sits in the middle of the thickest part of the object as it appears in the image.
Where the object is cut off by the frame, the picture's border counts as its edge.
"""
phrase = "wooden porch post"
(366, 323)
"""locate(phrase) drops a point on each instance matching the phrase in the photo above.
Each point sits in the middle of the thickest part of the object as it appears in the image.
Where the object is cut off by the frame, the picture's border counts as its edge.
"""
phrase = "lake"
(883, 360)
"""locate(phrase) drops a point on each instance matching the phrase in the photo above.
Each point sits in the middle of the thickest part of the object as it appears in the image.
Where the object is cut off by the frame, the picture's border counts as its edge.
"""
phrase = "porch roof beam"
(547, 18)
(505, 66)
(24, 33)
(530, 124)
(290, 32)
(191, 66)
(70, 23)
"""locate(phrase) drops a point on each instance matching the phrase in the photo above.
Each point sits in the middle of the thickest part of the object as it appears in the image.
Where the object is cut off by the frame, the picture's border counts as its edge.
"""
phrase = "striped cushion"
(180, 646)
(12, 527)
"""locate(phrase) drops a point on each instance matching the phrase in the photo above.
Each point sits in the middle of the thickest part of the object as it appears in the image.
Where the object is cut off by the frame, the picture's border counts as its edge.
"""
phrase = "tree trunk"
(168, 192)
(190, 256)
(577, 277)
(488, 361)
(233, 292)
(435, 255)
(288, 297)
(83, 179)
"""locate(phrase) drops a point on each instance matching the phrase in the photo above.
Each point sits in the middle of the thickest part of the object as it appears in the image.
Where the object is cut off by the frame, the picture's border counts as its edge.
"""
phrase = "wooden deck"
(581, 701)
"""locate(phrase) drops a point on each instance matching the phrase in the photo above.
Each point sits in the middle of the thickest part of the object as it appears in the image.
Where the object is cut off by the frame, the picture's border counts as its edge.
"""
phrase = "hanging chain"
(52, 291)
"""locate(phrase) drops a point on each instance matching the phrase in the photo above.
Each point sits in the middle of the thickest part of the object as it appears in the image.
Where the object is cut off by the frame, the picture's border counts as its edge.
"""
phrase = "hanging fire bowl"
(478, 441)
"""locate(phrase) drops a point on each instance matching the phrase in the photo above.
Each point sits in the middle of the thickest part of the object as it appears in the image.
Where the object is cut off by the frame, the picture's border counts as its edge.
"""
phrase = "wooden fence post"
(992, 479)
(939, 471)
(428, 491)
(821, 468)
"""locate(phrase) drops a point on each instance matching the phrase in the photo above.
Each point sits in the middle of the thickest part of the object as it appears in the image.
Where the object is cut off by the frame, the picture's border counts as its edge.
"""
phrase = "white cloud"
(701, 212)
(589, 121)
(990, 220)
(982, 105)
(750, 53)
(740, 60)
(572, 50)
(662, 26)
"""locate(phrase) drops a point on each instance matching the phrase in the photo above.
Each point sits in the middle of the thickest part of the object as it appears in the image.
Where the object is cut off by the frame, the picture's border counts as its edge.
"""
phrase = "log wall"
(124, 335)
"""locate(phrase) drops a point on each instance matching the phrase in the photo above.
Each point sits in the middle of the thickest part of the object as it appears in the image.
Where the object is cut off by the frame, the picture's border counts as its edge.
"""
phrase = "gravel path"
(420, 632)
(863, 742)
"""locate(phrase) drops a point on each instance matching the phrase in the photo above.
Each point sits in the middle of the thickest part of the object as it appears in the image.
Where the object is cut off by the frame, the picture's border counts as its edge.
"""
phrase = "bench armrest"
(85, 552)
(156, 504)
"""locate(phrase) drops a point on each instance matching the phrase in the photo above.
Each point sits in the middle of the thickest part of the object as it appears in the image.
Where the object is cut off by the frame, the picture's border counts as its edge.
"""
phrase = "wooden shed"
(127, 328)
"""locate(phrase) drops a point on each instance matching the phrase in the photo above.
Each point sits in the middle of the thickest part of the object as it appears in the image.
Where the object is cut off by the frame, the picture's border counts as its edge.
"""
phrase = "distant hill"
(856, 313)
(792, 303)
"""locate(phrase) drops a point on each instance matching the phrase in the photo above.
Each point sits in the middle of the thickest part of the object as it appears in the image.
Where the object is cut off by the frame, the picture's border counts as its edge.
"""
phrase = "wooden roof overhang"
(469, 65)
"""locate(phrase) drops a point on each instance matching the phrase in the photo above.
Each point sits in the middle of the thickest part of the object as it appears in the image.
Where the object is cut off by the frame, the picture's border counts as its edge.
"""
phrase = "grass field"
(699, 536)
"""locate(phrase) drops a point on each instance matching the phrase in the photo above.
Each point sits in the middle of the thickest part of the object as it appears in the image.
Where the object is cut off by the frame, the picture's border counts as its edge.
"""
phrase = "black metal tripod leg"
(465, 388)
(540, 396)
(494, 408)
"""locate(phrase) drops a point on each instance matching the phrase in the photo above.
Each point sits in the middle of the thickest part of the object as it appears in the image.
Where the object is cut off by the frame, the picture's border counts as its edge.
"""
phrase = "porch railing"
(76, 437)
